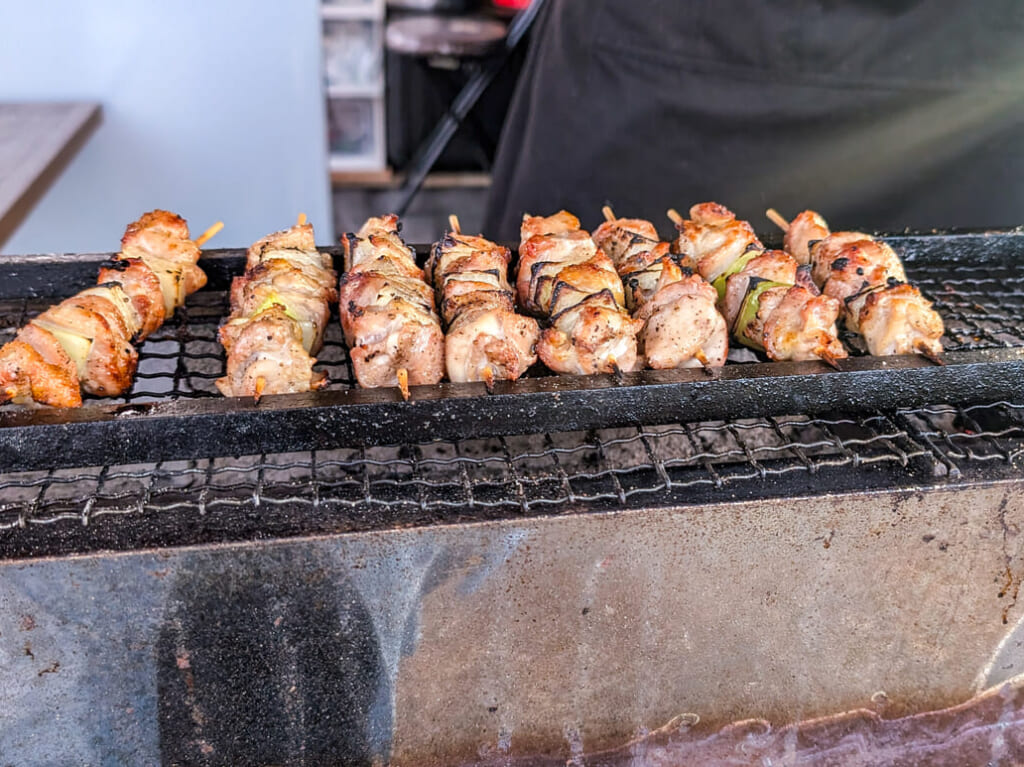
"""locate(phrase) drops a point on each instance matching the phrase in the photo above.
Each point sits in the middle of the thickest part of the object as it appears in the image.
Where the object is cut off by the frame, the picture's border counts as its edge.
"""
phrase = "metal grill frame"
(989, 367)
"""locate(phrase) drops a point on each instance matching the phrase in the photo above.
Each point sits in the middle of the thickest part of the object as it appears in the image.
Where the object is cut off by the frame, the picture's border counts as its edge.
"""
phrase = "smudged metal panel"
(524, 637)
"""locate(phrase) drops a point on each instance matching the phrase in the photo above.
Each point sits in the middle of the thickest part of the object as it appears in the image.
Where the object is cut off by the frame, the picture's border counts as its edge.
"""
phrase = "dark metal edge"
(179, 429)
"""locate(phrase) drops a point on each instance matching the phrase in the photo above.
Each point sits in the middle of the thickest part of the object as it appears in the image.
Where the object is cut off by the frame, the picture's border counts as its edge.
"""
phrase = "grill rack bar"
(178, 429)
(189, 421)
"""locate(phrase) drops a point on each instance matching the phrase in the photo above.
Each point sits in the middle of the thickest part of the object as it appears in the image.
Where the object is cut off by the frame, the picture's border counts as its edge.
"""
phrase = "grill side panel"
(522, 637)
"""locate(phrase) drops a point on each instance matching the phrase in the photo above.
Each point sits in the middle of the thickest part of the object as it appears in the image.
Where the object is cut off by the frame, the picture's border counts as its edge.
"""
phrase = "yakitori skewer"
(682, 327)
(85, 343)
(387, 310)
(769, 303)
(486, 340)
(867, 276)
(566, 279)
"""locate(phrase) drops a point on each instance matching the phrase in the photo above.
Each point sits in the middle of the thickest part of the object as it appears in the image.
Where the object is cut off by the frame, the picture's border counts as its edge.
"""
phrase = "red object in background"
(517, 5)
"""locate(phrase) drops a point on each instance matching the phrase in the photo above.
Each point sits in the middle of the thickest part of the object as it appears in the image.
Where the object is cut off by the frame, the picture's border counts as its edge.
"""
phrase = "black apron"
(880, 115)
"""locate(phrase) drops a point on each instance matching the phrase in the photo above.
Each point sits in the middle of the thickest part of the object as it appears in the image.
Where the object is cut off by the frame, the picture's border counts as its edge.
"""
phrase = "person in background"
(880, 114)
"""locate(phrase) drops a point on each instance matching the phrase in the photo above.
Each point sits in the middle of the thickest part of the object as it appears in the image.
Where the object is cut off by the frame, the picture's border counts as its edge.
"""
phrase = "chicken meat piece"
(95, 339)
(161, 239)
(642, 273)
(858, 269)
(385, 338)
(559, 223)
(267, 357)
(825, 252)
(897, 319)
(591, 337)
(682, 323)
(802, 326)
(304, 292)
(555, 268)
(806, 228)
(621, 238)
(490, 342)
(486, 339)
(142, 287)
(26, 375)
(714, 238)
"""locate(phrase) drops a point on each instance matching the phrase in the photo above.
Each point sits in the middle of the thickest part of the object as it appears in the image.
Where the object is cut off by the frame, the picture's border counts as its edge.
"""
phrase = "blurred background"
(248, 113)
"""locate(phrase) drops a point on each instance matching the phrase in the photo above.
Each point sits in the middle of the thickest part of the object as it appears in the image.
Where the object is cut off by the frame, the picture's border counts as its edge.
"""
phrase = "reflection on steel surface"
(986, 731)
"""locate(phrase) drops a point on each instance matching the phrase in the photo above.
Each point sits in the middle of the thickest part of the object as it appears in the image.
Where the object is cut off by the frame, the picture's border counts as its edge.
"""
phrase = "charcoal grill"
(494, 593)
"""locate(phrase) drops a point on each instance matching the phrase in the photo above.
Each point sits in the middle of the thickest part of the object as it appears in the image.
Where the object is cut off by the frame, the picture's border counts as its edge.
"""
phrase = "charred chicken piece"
(84, 343)
(564, 277)
(869, 280)
(486, 340)
(279, 310)
(387, 310)
(715, 239)
(682, 327)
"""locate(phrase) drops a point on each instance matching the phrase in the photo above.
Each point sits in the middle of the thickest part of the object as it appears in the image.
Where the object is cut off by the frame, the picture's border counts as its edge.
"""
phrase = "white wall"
(212, 109)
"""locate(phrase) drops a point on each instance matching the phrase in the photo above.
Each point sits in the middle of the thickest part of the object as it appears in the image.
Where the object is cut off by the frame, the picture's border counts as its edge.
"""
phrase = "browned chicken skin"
(566, 278)
(868, 278)
(84, 343)
(387, 309)
(486, 340)
(682, 327)
(804, 229)
(714, 238)
(279, 311)
(803, 327)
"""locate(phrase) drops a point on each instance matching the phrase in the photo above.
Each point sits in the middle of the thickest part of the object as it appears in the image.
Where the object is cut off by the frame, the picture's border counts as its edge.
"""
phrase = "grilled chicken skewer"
(387, 310)
(867, 276)
(279, 310)
(564, 277)
(768, 300)
(486, 340)
(84, 343)
(682, 328)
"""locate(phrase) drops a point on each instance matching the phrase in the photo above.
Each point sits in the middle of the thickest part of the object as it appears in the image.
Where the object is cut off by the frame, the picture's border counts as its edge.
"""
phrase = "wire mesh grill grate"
(536, 473)
(983, 308)
(982, 304)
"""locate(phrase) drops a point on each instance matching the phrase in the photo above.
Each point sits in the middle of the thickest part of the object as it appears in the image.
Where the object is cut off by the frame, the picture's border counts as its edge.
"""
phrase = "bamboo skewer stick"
(825, 356)
(928, 354)
(205, 236)
(609, 214)
(453, 222)
(302, 219)
(488, 376)
(705, 363)
(403, 383)
(776, 218)
(674, 217)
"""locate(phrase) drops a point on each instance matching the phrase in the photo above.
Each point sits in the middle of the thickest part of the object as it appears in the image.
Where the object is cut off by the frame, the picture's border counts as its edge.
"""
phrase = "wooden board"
(37, 141)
